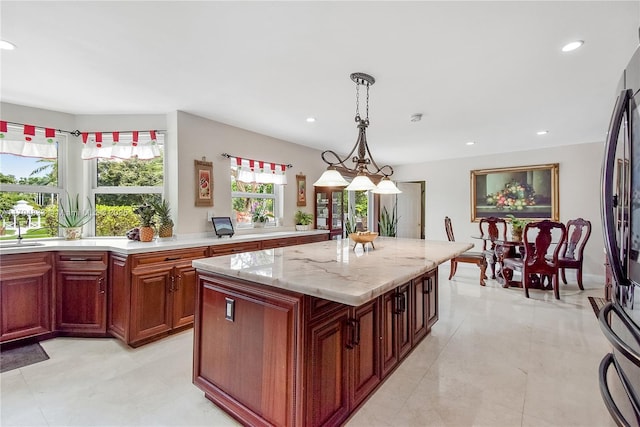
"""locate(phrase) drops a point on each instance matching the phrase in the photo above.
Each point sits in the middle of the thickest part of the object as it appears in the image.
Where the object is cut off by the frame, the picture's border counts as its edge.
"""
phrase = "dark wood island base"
(273, 357)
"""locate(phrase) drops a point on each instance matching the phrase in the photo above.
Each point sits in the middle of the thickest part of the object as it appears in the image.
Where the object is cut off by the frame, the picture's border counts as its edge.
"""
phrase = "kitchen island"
(301, 336)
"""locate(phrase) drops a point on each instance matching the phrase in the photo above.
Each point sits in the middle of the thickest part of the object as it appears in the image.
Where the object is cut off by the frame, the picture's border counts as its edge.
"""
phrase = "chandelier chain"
(357, 101)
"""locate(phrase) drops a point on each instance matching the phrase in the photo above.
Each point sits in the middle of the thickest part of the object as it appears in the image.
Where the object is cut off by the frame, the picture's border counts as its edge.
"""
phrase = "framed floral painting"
(523, 191)
(204, 183)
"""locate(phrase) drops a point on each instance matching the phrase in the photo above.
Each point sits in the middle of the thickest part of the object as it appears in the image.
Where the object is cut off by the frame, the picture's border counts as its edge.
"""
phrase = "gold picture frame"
(204, 182)
(301, 190)
(525, 192)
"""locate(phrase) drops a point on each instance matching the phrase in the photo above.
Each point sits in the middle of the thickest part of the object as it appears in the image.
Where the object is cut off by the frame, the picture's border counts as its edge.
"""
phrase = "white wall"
(199, 137)
(448, 186)
(188, 138)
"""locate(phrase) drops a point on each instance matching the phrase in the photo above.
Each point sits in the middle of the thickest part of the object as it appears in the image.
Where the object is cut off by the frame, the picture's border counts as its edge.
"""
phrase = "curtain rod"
(289, 165)
(78, 133)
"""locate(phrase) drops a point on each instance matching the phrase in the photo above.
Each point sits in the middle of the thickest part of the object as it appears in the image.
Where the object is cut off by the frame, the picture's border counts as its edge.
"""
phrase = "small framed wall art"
(204, 182)
(301, 189)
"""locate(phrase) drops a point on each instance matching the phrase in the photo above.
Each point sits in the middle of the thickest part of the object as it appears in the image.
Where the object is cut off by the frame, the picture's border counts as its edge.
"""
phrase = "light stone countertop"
(124, 246)
(333, 270)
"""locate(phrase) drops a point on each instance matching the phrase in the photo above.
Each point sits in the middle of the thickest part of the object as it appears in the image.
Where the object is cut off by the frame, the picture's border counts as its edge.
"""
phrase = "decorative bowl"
(363, 237)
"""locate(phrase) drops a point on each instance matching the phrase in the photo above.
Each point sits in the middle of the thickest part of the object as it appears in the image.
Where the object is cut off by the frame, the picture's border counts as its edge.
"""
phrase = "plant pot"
(516, 235)
(146, 234)
(72, 233)
(302, 227)
(258, 224)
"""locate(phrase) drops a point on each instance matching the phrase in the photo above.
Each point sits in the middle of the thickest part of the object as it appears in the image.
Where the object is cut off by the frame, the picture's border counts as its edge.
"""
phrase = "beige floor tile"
(494, 358)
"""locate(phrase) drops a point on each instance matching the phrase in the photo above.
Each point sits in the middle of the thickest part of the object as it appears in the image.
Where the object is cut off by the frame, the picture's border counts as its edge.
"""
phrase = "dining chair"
(472, 257)
(492, 229)
(571, 253)
(542, 241)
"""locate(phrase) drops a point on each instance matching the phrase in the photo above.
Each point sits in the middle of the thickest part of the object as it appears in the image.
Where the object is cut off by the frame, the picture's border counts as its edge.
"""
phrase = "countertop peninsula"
(333, 270)
(124, 246)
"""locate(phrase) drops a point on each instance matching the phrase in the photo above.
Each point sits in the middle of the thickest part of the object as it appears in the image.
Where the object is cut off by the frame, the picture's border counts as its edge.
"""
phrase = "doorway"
(411, 209)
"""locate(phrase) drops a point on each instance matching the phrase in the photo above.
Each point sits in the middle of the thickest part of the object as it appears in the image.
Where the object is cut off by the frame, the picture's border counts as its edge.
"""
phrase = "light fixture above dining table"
(365, 167)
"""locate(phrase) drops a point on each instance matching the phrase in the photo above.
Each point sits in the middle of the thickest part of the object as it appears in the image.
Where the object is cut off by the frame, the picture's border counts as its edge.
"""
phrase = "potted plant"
(163, 210)
(388, 224)
(517, 226)
(260, 216)
(303, 220)
(71, 218)
(146, 213)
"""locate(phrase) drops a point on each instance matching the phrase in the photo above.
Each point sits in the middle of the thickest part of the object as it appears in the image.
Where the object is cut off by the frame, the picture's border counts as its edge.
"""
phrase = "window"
(30, 182)
(122, 184)
(250, 200)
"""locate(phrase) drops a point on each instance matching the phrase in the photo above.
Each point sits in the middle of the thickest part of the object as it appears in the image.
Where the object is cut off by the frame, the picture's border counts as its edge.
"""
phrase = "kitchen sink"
(18, 245)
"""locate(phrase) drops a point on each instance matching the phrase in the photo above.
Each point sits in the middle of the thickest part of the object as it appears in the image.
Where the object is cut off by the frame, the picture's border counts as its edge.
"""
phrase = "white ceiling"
(491, 72)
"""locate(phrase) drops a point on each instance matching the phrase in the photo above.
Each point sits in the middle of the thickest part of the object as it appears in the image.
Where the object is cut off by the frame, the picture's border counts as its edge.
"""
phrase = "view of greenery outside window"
(356, 211)
(247, 198)
(121, 185)
(29, 191)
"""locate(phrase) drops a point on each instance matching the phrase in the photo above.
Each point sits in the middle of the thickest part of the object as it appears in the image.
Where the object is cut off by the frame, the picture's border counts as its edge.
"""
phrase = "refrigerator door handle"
(606, 201)
(624, 348)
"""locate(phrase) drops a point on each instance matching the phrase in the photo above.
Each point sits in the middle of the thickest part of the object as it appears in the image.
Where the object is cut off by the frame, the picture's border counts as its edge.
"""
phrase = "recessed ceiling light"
(5, 45)
(572, 46)
(470, 143)
(542, 132)
(311, 119)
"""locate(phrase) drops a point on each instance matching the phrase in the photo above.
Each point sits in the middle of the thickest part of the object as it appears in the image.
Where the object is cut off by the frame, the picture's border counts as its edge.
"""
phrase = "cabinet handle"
(78, 259)
(401, 304)
(352, 342)
(178, 282)
(101, 285)
(428, 288)
(173, 281)
(172, 258)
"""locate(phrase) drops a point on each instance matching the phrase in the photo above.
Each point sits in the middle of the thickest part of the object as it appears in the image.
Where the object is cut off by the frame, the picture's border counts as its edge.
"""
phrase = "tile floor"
(494, 358)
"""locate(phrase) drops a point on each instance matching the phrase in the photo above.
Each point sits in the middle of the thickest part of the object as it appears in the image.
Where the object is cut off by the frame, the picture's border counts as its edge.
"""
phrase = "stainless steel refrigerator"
(619, 370)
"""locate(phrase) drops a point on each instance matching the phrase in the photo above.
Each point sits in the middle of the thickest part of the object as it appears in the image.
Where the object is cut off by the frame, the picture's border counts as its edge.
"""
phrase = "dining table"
(511, 248)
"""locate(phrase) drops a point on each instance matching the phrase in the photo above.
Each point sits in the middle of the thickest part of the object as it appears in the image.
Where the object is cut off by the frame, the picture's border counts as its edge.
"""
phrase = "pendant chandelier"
(365, 166)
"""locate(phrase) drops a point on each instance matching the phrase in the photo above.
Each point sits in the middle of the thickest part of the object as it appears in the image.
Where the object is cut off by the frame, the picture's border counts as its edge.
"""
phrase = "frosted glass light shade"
(386, 186)
(331, 178)
(361, 183)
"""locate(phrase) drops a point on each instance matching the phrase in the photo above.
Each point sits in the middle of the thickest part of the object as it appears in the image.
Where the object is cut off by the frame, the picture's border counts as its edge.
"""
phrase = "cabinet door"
(420, 307)
(81, 301)
(184, 296)
(327, 379)
(322, 209)
(404, 319)
(246, 351)
(432, 292)
(389, 332)
(25, 295)
(151, 303)
(364, 360)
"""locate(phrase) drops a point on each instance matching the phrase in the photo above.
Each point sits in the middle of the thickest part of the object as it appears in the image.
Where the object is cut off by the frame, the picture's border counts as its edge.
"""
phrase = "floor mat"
(597, 304)
(21, 356)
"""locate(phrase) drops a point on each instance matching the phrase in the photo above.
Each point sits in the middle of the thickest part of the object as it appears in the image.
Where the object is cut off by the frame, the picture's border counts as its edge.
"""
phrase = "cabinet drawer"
(279, 243)
(168, 256)
(81, 260)
(232, 248)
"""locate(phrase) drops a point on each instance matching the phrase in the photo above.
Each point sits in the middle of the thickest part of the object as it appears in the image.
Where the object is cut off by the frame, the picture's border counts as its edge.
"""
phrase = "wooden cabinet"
(424, 305)
(25, 295)
(152, 294)
(247, 341)
(396, 326)
(269, 356)
(81, 292)
(329, 211)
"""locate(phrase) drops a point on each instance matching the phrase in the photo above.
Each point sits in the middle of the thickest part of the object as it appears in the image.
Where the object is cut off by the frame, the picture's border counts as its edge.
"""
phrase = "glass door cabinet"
(329, 210)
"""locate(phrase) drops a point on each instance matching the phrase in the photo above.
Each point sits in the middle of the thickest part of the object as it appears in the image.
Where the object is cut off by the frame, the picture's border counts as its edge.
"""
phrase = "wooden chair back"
(539, 255)
(578, 232)
(495, 229)
(449, 229)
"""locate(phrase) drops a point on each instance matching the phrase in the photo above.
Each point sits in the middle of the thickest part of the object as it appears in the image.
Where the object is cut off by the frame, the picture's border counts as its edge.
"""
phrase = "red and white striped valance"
(121, 145)
(28, 141)
(259, 171)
